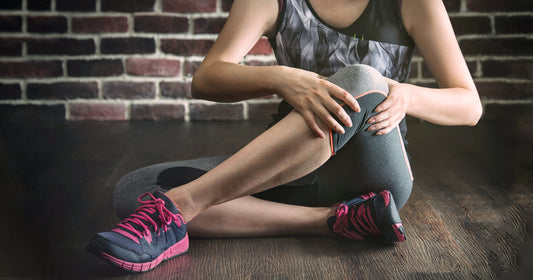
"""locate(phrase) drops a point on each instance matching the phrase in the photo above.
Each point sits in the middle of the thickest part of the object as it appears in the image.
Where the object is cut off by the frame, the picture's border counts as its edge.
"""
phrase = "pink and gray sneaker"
(369, 216)
(154, 233)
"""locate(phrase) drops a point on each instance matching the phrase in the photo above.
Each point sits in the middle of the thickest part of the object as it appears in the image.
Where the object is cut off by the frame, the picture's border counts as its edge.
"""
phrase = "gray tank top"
(377, 38)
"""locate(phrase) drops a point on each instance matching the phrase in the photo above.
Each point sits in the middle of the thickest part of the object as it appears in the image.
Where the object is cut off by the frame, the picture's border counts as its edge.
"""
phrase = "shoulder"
(417, 13)
(258, 11)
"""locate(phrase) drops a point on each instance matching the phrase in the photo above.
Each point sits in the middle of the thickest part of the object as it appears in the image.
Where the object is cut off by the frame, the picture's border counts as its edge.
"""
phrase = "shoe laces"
(355, 222)
(139, 222)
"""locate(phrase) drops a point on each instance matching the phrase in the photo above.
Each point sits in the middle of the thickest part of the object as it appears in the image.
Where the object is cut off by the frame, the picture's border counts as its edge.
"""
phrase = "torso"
(311, 39)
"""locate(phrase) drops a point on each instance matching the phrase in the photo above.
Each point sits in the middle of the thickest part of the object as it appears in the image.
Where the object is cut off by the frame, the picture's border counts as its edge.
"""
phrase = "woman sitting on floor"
(272, 186)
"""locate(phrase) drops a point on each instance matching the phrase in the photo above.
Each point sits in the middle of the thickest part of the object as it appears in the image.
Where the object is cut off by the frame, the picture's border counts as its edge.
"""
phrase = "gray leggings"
(366, 162)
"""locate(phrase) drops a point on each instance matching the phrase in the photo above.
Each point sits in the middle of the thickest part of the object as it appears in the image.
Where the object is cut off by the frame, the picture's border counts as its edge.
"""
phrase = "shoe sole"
(175, 250)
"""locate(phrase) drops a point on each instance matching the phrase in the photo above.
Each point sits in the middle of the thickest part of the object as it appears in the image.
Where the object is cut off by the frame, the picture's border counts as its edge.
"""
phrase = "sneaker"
(369, 216)
(154, 233)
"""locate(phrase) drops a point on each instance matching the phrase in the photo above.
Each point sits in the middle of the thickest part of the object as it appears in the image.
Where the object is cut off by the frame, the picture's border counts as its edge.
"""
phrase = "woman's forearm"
(231, 82)
(448, 106)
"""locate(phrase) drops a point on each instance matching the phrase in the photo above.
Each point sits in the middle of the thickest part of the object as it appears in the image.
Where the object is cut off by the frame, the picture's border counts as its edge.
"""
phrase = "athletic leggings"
(361, 161)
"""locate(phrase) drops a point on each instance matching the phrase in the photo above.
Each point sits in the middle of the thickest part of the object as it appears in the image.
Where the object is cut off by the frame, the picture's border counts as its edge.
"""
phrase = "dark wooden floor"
(467, 217)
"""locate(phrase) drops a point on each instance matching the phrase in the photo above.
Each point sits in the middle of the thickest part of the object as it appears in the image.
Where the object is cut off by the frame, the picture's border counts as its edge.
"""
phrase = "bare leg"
(220, 200)
(285, 152)
(246, 217)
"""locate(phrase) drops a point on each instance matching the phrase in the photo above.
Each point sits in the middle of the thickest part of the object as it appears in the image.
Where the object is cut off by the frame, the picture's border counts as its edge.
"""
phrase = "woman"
(358, 108)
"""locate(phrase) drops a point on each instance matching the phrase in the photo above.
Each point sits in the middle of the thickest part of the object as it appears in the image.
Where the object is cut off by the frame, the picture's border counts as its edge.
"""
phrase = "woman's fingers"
(385, 121)
(343, 95)
(390, 112)
(310, 119)
(336, 109)
(320, 110)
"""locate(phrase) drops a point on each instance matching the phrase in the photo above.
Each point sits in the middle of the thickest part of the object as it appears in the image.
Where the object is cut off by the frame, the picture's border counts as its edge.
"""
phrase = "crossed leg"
(218, 204)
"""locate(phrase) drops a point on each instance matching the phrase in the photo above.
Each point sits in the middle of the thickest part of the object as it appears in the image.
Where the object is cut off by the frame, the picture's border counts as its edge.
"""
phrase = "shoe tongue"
(155, 216)
(168, 203)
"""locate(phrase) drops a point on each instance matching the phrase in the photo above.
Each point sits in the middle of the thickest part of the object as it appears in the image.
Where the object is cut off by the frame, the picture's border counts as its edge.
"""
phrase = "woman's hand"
(311, 95)
(392, 110)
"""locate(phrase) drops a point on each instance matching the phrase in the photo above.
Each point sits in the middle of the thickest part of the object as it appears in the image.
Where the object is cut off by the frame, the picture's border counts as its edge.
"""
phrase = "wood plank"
(470, 194)
(466, 218)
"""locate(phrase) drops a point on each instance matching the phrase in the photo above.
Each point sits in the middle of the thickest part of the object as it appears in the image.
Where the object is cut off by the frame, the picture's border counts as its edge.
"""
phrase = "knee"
(360, 78)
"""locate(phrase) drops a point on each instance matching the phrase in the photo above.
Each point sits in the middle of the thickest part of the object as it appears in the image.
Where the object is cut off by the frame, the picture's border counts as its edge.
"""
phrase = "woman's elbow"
(195, 91)
(198, 90)
(476, 112)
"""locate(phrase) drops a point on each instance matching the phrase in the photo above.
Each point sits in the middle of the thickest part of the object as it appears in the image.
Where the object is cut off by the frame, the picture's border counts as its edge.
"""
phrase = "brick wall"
(134, 59)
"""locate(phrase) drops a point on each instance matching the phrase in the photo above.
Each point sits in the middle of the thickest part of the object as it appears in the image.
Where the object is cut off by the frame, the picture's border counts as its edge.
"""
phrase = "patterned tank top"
(377, 38)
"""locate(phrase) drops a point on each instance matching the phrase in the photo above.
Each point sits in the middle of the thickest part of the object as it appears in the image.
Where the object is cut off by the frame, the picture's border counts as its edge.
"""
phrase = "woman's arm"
(221, 78)
(456, 102)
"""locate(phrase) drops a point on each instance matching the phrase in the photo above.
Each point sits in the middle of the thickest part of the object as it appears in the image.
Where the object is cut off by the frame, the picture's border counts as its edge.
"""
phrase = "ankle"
(184, 202)
(330, 213)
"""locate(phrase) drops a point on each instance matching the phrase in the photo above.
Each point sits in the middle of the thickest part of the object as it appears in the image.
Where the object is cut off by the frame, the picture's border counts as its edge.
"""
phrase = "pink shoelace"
(355, 223)
(142, 217)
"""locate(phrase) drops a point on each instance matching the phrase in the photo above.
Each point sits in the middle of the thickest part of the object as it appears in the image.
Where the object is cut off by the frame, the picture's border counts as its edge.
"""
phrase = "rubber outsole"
(175, 250)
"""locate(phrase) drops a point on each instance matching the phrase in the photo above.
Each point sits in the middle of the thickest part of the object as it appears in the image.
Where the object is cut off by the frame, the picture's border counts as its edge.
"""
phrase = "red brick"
(189, 6)
(47, 24)
(61, 46)
(157, 112)
(226, 5)
(505, 90)
(262, 111)
(31, 69)
(10, 47)
(262, 47)
(10, 91)
(97, 111)
(11, 5)
(175, 90)
(498, 5)
(94, 68)
(76, 5)
(111, 24)
(10, 23)
(513, 24)
(209, 25)
(38, 5)
(186, 47)
(218, 112)
(153, 67)
(129, 45)
(128, 5)
(161, 24)
(517, 69)
(471, 25)
(497, 46)
(62, 90)
(190, 67)
(128, 90)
